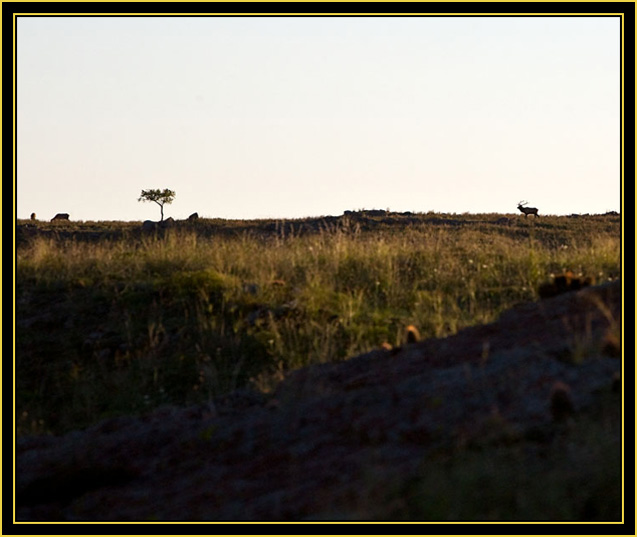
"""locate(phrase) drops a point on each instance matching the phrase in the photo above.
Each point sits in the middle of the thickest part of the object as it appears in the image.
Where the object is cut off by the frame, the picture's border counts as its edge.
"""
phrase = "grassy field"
(110, 320)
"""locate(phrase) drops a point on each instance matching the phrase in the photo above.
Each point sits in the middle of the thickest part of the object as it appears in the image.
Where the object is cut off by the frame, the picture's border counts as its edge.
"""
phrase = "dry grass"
(124, 322)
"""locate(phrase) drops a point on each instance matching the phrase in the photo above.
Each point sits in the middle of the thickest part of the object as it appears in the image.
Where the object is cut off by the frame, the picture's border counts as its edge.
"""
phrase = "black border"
(330, 9)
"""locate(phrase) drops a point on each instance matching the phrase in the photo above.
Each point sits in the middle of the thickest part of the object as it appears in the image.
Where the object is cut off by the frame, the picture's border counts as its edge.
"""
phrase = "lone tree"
(159, 197)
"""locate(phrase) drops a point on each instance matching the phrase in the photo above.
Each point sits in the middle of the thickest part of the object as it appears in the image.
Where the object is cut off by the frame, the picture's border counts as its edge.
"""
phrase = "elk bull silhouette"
(527, 210)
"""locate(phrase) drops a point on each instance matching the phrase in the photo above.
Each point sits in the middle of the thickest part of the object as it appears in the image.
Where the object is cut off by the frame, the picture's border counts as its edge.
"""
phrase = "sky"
(274, 117)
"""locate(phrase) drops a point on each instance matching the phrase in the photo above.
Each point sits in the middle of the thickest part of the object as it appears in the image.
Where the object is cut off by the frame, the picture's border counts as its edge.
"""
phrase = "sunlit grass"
(127, 323)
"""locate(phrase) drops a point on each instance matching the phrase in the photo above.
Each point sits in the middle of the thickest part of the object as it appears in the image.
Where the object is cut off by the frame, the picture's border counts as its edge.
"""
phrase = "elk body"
(527, 210)
(60, 216)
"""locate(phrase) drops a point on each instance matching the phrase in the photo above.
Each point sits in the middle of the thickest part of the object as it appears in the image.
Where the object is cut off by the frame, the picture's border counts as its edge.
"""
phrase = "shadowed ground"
(356, 440)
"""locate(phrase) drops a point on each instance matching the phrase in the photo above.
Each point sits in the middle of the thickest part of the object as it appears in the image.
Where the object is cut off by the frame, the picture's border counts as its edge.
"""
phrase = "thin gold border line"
(622, 178)
(14, 156)
(455, 14)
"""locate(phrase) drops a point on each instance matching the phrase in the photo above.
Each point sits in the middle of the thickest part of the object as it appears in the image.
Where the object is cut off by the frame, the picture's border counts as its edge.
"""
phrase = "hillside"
(259, 370)
(517, 419)
(365, 221)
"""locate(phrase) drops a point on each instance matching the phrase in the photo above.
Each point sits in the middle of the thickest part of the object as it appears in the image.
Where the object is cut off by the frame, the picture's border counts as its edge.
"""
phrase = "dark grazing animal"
(527, 210)
(60, 216)
(149, 225)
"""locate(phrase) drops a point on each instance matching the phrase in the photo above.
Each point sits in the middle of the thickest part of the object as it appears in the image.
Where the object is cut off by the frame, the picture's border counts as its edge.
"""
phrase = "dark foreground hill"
(518, 419)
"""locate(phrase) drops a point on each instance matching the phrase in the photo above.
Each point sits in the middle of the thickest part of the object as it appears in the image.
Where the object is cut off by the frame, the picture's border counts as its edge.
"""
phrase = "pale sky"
(273, 117)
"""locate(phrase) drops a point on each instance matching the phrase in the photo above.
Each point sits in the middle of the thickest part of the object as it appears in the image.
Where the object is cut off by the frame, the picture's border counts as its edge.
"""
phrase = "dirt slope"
(309, 450)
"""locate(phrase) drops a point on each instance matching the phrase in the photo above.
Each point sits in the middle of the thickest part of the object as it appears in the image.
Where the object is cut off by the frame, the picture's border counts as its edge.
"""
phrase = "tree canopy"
(160, 197)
